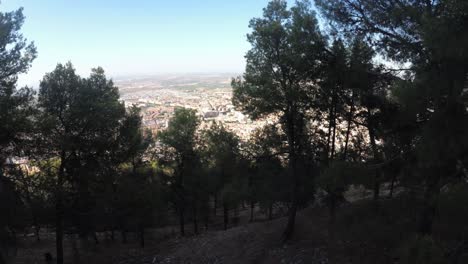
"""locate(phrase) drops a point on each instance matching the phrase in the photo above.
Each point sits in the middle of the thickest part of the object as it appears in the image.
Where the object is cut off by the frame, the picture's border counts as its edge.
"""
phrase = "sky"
(137, 37)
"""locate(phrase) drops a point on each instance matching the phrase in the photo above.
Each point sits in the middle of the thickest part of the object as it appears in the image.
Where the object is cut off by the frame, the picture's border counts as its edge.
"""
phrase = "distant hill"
(182, 81)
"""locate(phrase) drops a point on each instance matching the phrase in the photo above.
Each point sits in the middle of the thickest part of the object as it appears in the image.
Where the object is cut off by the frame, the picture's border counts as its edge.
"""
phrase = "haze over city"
(135, 38)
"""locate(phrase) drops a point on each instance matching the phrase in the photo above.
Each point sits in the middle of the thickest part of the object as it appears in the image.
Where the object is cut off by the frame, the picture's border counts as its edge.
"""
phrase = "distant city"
(209, 94)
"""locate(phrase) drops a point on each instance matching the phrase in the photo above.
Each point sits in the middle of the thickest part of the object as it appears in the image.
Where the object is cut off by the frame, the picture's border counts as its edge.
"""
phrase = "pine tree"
(80, 120)
(16, 105)
(180, 139)
(281, 73)
(430, 37)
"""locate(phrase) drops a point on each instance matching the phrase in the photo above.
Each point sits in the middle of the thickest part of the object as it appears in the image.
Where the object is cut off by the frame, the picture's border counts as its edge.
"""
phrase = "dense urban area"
(208, 94)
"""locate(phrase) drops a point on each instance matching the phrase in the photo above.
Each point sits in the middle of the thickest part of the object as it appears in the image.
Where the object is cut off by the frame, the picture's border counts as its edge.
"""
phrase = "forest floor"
(361, 233)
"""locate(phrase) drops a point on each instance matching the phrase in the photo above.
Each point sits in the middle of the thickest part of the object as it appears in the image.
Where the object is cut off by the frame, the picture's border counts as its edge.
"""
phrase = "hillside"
(361, 235)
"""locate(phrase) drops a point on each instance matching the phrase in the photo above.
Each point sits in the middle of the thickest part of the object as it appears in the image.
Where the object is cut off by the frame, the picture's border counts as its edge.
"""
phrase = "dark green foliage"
(16, 109)
(180, 134)
(16, 105)
(281, 73)
(16, 53)
(267, 176)
(140, 199)
(179, 142)
(431, 37)
(226, 167)
(81, 123)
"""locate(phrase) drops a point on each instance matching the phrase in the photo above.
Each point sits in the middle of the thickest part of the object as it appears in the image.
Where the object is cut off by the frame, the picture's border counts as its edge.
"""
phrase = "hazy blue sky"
(137, 36)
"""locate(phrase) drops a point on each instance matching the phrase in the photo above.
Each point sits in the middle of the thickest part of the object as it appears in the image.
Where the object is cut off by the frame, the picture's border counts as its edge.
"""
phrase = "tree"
(370, 86)
(266, 180)
(16, 107)
(131, 146)
(430, 37)
(223, 161)
(332, 95)
(79, 123)
(281, 74)
(34, 189)
(179, 137)
(140, 197)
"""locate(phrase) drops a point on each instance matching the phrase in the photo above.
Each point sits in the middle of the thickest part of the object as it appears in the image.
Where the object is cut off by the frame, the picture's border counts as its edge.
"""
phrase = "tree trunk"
(348, 129)
(329, 134)
(124, 236)
(181, 221)
(215, 203)
(59, 211)
(142, 236)
(288, 232)
(252, 206)
(291, 223)
(292, 164)
(195, 220)
(96, 240)
(112, 234)
(429, 207)
(226, 216)
(377, 186)
(37, 230)
(207, 219)
(377, 159)
(59, 232)
(270, 212)
(332, 207)
(392, 185)
(427, 218)
(332, 154)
